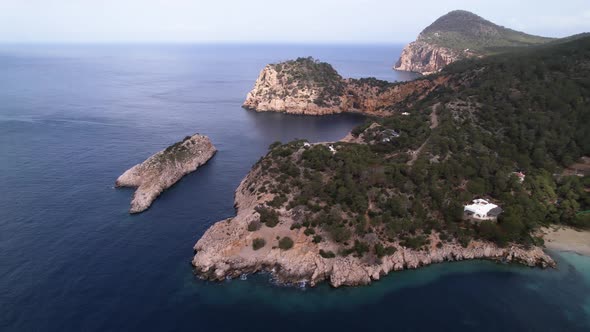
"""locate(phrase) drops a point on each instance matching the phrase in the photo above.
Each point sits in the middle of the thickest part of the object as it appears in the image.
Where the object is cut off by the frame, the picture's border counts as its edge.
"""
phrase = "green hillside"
(524, 111)
(462, 30)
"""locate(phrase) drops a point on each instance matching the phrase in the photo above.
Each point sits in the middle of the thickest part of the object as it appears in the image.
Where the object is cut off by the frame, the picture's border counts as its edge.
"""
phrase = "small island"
(469, 163)
(162, 170)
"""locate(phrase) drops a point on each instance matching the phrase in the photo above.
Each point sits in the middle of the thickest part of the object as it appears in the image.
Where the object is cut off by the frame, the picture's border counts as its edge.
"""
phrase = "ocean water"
(73, 118)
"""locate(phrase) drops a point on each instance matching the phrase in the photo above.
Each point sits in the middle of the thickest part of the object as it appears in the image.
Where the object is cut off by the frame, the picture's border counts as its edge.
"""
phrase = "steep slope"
(308, 86)
(458, 35)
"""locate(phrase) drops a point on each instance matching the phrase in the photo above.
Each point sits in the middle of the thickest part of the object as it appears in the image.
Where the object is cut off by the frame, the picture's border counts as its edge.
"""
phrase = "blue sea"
(74, 117)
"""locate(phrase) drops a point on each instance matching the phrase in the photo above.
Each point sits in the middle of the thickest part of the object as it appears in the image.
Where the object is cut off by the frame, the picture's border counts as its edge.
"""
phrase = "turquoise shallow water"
(73, 118)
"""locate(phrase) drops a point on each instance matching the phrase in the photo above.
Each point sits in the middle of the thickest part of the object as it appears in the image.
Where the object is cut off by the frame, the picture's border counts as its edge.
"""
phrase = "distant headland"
(460, 35)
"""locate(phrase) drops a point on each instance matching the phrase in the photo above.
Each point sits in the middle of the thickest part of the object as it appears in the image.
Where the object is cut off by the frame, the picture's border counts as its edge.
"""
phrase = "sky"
(269, 21)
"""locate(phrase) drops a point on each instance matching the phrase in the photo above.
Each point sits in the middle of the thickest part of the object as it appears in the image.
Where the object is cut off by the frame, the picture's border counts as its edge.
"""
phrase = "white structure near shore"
(480, 209)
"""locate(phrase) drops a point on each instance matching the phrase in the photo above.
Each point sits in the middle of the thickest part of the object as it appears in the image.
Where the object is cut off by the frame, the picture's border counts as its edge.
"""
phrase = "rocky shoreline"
(226, 249)
(162, 170)
(278, 92)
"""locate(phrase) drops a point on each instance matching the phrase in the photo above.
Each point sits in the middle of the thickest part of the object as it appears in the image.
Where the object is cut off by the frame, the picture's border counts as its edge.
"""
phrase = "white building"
(480, 209)
(331, 147)
(405, 113)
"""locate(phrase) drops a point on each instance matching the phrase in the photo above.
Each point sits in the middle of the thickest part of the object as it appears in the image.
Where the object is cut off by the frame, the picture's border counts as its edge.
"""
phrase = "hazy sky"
(362, 21)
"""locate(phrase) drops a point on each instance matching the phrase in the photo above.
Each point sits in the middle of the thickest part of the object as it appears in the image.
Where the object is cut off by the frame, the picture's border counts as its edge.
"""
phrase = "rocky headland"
(310, 87)
(228, 249)
(391, 195)
(459, 35)
(162, 170)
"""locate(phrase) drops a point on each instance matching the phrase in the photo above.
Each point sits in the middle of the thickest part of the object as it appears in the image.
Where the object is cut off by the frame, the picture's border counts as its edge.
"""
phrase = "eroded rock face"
(271, 93)
(424, 58)
(274, 92)
(165, 168)
(225, 250)
(458, 35)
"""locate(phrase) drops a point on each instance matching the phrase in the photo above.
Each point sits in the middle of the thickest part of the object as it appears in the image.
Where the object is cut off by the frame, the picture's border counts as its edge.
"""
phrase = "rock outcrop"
(164, 169)
(278, 89)
(424, 58)
(226, 249)
(459, 35)
(310, 87)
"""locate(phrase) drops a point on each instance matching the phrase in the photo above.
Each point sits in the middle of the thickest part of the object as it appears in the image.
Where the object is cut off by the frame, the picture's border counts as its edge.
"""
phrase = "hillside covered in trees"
(525, 111)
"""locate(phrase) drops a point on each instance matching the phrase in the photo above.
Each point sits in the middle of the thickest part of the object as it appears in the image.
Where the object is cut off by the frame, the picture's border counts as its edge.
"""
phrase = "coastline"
(567, 239)
(226, 251)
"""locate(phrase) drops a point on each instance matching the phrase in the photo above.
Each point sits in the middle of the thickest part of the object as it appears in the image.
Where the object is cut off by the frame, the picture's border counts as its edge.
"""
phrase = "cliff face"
(226, 250)
(272, 92)
(278, 90)
(424, 58)
(164, 169)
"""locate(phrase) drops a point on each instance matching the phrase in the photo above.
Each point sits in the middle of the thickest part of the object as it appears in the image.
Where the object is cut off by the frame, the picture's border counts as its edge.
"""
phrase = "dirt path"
(433, 124)
(434, 116)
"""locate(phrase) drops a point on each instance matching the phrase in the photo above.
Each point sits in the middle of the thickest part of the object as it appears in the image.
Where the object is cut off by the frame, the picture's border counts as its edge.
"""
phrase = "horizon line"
(196, 42)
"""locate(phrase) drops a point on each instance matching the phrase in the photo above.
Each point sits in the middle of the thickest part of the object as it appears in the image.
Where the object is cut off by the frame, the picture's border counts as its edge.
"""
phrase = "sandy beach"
(567, 239)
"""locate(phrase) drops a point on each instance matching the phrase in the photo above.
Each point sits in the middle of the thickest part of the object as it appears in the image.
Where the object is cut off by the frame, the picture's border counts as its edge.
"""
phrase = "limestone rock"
(280, 90)
(164, 169)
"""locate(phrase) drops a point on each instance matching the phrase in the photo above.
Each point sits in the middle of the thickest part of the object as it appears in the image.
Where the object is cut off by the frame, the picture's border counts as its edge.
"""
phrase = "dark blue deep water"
(73, 118)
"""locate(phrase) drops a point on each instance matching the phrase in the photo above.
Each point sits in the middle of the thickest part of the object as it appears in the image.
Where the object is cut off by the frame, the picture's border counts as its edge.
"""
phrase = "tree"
(258, 243)
(285, 243)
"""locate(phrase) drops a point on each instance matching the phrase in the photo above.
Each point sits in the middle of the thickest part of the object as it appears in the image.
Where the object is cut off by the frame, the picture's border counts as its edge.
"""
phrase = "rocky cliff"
(460, 35)
(162, 170)
(424, 58)
(226, 249)
(307, 86)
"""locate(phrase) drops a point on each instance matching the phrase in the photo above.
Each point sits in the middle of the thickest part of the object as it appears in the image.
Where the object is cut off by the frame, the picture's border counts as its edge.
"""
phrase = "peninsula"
(162, 170)
(459, 35)
(400, 191)
(283, 228)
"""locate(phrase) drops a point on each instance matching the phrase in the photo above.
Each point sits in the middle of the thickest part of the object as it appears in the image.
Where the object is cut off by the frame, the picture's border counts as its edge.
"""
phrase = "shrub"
(254, 226)
(274, 145)
(415, 242)
(269, 217)
(286, 243)
(258, 243)
(381, 251)
(327, 254)
(317, 239)
(277, 201)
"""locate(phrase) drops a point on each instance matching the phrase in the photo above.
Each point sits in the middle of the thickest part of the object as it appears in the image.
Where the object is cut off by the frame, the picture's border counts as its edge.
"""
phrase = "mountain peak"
(457, 35)
(461, 29)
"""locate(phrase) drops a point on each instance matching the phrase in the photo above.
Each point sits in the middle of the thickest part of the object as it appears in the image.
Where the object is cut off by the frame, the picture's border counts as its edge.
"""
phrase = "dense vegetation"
(177, 152)
(311, 74)
(462, 30)
(525, 111)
